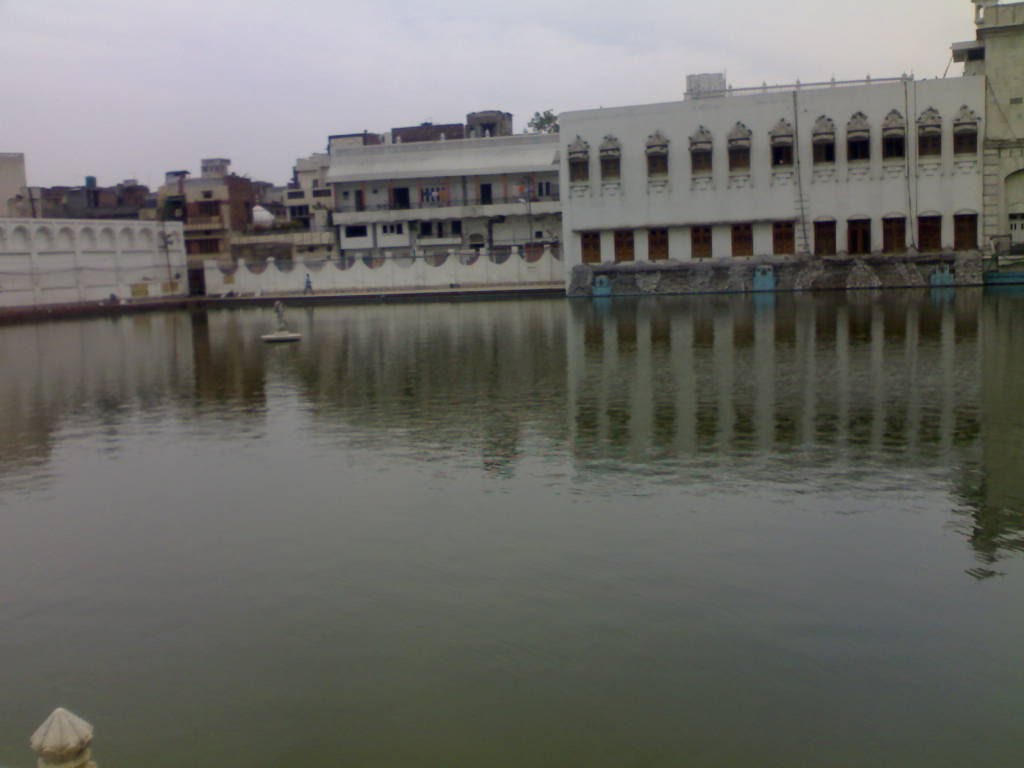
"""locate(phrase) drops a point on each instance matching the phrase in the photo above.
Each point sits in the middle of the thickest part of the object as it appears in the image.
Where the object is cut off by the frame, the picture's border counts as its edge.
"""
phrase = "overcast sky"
(132, 88)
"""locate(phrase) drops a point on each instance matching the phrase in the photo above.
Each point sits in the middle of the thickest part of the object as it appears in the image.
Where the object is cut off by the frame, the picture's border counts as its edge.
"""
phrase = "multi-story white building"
(821, 168)
(425, 199)
(874, 166)
(309, 198)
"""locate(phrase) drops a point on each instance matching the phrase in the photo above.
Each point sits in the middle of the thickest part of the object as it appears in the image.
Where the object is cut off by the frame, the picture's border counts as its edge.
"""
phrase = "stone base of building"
(777, 274)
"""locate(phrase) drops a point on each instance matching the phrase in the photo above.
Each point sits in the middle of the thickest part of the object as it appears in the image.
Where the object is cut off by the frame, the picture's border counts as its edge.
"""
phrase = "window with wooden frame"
(858, 138)
(965, 132)
(657, 244)
(579, 161)
(610, 168)
(739, 149)
(858, 236)
(700, 162)
(204, 246)
(700, 152)
(894, 136)
(783, 238)
(611, 156)
(742, 239)
(965, 143)
(657, 156)
(929, 233)
(624, 245)
(894, 148)
(929, 133)
(824, 152)
(782, 156)
(824, 238)
(858, 148)
(657, 166)
(929, 145)
(894, 234)
(823, 141)
(700, 242)
(965, 232)
(782, 144)
(590, 243)
(739, 158)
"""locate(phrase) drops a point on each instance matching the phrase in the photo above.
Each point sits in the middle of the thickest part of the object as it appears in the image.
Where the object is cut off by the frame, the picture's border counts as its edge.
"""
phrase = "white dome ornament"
(62, 741)
(262, 218)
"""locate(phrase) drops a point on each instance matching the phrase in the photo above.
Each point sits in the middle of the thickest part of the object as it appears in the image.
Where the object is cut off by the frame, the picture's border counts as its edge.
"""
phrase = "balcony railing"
(204, 222)
(350, 207)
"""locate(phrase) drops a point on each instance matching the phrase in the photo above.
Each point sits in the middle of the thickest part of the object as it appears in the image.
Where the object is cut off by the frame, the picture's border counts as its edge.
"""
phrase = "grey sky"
(132, 88)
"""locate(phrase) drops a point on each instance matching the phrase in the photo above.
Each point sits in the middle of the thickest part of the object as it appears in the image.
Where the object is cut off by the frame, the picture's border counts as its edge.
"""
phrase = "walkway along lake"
(705, 531)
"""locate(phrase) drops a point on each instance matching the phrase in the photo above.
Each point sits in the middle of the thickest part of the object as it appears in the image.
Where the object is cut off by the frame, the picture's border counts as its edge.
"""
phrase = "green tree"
(543, 122)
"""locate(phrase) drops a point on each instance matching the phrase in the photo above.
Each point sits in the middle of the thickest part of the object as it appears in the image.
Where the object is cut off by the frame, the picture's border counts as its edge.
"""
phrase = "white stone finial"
(63, 739)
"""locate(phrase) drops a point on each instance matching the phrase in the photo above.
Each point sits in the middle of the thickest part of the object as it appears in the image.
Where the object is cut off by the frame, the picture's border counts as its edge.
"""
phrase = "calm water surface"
(710, 531)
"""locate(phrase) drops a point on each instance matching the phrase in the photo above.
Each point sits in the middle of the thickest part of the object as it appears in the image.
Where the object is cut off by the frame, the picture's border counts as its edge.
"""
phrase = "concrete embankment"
(105, 308)
(778, 274)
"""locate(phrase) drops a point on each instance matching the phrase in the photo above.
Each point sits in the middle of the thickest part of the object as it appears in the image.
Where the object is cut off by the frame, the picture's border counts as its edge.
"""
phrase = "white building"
(429, 198)
(823, 168)
(309, 198)
(874, 166)
(12, 182)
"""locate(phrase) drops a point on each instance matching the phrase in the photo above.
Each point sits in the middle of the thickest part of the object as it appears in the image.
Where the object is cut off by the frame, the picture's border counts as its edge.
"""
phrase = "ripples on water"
(703, 532)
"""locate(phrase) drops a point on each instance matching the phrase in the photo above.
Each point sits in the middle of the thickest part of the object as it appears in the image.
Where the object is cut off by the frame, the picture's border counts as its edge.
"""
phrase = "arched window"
(579, 161)
(700, 152)
(823, 137)
(782, 144)
(739, 148)
(858, 235)
(611, 157)
(657, 155)
(929, 133)
(965, 132)
(825, 237)
(894, 136)
(965, 232)
(858, 138)
(894, 233)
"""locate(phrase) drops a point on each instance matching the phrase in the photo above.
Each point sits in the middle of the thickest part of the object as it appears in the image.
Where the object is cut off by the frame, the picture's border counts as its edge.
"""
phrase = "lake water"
(695, 531)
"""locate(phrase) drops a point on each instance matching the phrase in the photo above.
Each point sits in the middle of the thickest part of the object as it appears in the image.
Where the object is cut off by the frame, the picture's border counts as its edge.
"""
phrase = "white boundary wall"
(46, 262)
(460, 269)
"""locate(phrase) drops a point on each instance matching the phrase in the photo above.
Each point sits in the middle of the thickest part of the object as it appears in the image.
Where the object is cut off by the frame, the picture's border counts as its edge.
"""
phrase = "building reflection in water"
(994, 488)
(786, 384)
(88, 375)
(860, 373)
(763, 387)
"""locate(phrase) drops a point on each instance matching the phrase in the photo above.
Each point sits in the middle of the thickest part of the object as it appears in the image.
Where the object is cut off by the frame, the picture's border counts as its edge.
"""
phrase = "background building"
(210, 208)
(998, 55)
(13, 185)
(424, 198)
